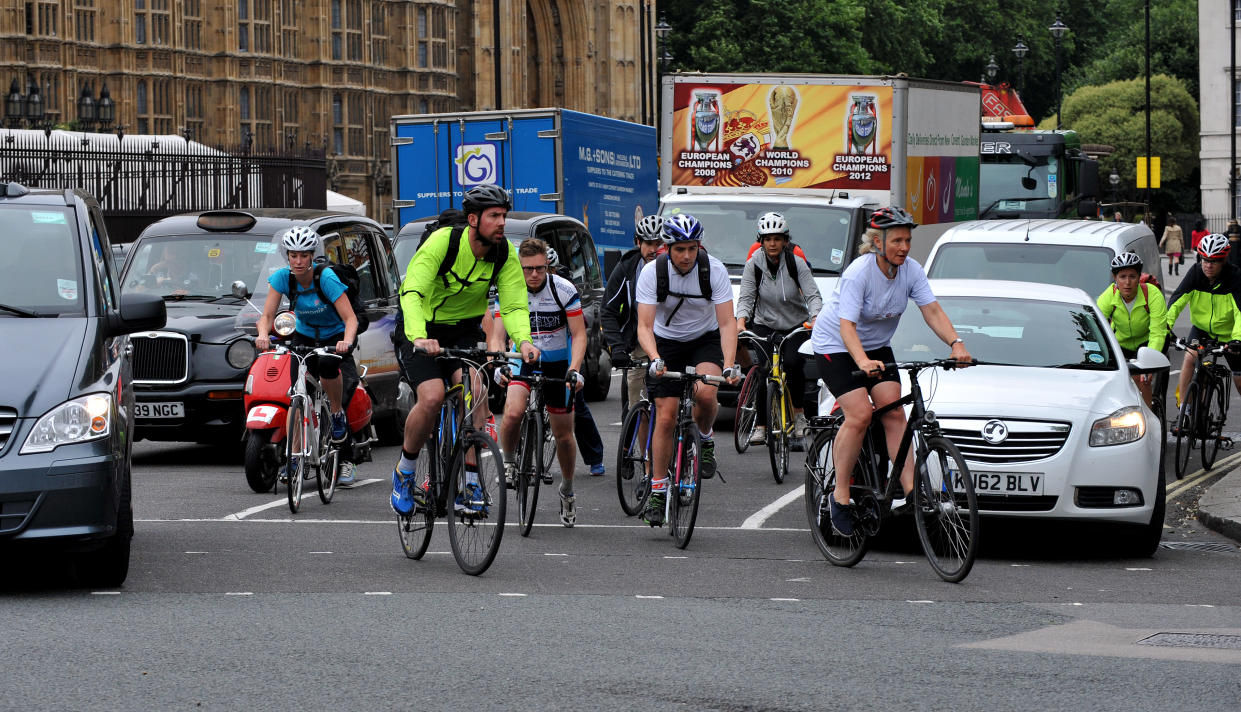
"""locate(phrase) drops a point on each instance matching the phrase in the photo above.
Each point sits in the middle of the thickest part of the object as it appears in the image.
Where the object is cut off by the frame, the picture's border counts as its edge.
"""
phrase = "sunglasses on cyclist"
(535, 269)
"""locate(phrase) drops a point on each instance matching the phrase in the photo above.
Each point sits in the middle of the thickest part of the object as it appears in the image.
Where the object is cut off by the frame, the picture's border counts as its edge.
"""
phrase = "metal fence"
(140, 179)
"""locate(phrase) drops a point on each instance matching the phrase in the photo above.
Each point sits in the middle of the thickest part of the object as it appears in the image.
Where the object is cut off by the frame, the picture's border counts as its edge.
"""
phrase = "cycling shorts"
(837, 369)
(329, 367)
(679, 354)
(418, 367)
(556, 397)
(1234, 360)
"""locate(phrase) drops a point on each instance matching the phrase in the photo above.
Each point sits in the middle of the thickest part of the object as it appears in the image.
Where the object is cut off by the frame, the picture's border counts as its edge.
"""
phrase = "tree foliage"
(1174, 44)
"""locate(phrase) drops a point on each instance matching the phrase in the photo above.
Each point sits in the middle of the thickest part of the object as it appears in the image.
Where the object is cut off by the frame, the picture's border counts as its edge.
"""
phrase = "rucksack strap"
(450, 254)
(662, 289)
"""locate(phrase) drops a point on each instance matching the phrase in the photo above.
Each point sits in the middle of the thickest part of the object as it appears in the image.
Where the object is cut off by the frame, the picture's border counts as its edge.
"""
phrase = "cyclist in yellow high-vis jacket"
(1212, 291)
(1136, 311)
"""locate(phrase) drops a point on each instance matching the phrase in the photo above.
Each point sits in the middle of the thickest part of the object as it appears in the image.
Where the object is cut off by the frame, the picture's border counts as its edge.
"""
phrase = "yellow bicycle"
(778, 405)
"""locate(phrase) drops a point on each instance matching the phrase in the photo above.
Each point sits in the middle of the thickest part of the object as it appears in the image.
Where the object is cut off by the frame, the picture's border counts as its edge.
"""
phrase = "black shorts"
(556, 398)
(837, 369)
(1234, 360)
(330, 367)
(418, 367)
(679, 354)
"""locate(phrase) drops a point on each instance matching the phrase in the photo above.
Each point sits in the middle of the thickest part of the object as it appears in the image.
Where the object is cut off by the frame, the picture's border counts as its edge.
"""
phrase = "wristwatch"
(956, 341)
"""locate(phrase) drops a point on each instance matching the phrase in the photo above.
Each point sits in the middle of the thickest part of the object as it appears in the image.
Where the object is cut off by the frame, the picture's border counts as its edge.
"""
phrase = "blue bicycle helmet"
(681, 228)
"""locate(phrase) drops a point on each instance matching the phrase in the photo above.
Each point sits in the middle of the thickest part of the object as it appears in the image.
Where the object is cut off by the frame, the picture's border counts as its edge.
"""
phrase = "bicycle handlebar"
(469, 353)
(705, 377)
(1211, 346)
(947, 364)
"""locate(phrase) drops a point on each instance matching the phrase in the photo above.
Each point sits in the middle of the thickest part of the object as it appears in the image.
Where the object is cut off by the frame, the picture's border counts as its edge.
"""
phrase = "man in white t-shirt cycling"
(686, 326)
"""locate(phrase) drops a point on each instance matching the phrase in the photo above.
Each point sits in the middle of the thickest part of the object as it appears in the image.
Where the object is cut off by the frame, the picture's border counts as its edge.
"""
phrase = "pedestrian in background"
(1199, 232)
(1173, 244)
(1234, 235)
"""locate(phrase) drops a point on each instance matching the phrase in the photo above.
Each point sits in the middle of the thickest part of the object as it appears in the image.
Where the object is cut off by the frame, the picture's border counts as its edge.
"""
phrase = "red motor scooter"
(267, 412)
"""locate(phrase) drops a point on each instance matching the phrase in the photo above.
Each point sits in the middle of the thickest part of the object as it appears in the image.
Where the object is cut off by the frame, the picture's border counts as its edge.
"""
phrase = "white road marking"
(755, 521)
(195, 552)
(320, 552)
(376, 593)
(388, 522)
(238, 593)
(648, 597)
(803, 579)
(1173, 373)
(514, 595)
(1198, 605)
(1137, 568)
(1020, 566)
(786, 599)
(616, 424)
(548, 553)
(284, 500)
(676, 557)
(105, 593)
(920, 601)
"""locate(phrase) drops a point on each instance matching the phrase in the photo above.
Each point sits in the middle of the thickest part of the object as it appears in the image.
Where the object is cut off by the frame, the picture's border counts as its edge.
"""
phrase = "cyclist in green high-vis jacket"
(1212, 291)
(1136, 312)
(443, 300)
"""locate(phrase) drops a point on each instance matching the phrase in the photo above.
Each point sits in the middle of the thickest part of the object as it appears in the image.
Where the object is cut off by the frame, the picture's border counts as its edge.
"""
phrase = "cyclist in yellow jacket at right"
(1212, 291)
(1136, 312)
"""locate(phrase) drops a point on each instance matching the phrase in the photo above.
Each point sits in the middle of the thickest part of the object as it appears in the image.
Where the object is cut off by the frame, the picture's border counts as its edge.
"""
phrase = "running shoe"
(654, 512)
(842, 517)
(402, 502)
(759, 436)
(598, 470)
(340, 427)
(472, 500)
(708, 458)
(568, 508)
(346, 478)
(799, 426)
(510, 475)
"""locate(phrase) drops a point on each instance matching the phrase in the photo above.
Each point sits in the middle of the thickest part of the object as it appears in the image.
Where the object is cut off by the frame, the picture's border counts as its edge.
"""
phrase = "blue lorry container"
(599, 170)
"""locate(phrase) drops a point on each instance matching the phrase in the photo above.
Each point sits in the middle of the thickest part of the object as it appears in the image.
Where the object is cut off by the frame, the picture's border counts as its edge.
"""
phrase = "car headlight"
(240, 353)
(1124, 426)
(284, 323)
(76, 421)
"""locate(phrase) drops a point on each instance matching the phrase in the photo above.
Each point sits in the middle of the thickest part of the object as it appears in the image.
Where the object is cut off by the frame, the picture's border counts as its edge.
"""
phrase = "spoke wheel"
(820, 482)
(946, 510)
(476, 531)
(529, 472)
(747, 410)
(684, 491)
(1185, 427)
(414, 530)
(549, 442)
(777, 433)
(328, 468)
(633, 484)
(295, 445)
(1214, 412)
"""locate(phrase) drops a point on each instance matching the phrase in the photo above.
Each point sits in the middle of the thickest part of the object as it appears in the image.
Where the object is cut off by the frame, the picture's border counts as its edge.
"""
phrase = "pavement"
(1220, 505)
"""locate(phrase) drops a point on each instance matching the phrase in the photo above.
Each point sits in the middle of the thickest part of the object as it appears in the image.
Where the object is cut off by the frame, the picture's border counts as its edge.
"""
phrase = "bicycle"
(684, 474)
(476, 525)
(779, 405)
(944, 504)
(309, 439)
(532, 467)
(633, 454)
(1204, 406)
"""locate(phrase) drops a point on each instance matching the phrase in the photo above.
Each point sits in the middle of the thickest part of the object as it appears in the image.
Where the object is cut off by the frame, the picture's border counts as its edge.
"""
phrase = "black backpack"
(790, 263)
(349, 277)
(661, 283)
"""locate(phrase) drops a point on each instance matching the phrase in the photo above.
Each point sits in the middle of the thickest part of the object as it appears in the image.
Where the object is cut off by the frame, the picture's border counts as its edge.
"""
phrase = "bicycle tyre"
(686, 490)
(747, 410)
(549, 442)
(633, 485)
(475, 537)
(947, 520)
(529, 472)
(777, 433)
(328, 467)
(1185, 429)
(840, 550)
(414, 530)
(295, 442)
(1213, 414)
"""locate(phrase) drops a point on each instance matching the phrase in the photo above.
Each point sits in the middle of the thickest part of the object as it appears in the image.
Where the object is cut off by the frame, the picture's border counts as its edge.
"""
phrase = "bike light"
(240, 353)
(284, 323)
(1124, 426)
(76, 421)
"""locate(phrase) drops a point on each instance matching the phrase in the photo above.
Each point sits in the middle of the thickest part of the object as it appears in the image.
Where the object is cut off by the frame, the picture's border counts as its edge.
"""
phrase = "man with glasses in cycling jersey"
(1136, 312)
(690, 323)
(559, 332)
(619, 314)
(774, 300)
(443, 300)
(854, 332)
(1212, 291)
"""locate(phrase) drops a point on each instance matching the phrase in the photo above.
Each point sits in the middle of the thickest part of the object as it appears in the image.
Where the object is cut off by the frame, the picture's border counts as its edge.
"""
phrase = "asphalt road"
(233, 603)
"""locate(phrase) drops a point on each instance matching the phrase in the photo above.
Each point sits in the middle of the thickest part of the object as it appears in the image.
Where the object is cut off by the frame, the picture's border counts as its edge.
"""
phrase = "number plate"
(159, 410)
(1009, 483)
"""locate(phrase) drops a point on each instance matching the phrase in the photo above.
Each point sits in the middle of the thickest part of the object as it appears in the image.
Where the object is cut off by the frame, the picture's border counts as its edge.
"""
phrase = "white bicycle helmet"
(648, 228)
(1214, 246)
(1125, 260)
(300, 238)
(772, 224)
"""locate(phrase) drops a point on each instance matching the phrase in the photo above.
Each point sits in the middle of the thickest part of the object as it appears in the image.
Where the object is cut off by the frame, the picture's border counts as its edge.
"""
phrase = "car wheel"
(598, 379)
(391, 428)
(108, 566)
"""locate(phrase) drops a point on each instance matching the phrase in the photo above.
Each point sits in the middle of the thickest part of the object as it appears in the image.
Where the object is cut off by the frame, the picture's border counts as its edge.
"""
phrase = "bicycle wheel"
(328, 467)
(1185, 428)
(294, 447)
(777, 432)
(476, 524)
(946, 510)
(685, 488)
(415, 528)
(633, 484)
(1214, 412)
(747, 410)
(549, 442)
(529, 471)
(820, 482)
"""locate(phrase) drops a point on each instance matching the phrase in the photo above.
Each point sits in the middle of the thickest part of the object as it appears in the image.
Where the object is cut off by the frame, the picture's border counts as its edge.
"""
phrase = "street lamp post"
(662, 28)
(86, 109)
(1058, 30)
(1020, 49)
(992, 69)
(105, 109)
(14, 106)
(1114, 179)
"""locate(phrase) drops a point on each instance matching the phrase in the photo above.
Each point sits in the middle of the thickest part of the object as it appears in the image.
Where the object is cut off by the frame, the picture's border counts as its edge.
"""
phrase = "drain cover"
(1199, 546)
(1194, 640)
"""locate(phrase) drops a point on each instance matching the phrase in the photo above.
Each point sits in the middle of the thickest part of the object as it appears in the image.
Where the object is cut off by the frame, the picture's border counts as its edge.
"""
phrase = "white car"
(1060, 430)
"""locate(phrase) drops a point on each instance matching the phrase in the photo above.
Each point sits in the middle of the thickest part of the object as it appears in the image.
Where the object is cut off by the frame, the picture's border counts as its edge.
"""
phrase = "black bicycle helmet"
(481, 197)
(887, 218)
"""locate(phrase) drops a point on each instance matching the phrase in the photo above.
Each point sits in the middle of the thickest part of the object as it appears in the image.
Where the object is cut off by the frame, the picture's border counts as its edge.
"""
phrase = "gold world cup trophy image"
(781, 104)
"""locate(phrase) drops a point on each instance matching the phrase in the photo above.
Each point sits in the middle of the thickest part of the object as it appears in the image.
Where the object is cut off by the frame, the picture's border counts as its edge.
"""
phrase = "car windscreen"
(1016, 332)
(1087, 268)
(44, 273)
(1001, 189)
(729, 229)
(197, 266)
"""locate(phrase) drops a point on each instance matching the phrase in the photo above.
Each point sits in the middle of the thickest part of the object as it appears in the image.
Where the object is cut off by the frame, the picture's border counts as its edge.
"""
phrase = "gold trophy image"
(781, 104)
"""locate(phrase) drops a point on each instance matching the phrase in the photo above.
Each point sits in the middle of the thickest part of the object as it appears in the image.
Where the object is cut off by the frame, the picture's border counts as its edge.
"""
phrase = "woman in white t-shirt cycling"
(853, 333)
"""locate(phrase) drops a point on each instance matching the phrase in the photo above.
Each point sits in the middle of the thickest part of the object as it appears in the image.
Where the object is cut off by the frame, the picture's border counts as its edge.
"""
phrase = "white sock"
(707, 435)
(659, 485)
(406, 464)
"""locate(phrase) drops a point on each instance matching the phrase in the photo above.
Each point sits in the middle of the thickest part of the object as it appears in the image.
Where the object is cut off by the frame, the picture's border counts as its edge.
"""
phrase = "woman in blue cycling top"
(853, 333)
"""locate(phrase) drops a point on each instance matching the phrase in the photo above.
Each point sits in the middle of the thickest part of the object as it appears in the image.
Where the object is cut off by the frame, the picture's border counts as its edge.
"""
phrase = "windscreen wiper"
(25, 313)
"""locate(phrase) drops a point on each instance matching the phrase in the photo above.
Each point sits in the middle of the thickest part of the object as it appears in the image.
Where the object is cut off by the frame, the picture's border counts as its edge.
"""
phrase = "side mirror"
(611, 258)
(138, 312)
(1087, 208)
(1148, 361)
(1087, 177)
(240, 291)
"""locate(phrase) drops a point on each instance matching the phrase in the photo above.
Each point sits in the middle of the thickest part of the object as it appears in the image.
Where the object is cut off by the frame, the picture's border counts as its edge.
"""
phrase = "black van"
(67, 398)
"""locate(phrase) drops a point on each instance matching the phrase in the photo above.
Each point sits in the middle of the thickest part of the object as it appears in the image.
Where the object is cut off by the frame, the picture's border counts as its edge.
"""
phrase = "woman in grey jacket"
(778, 294)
